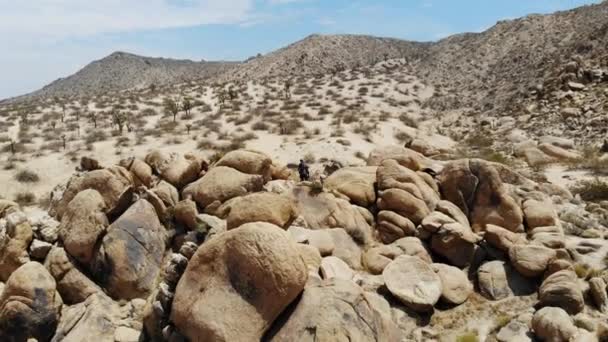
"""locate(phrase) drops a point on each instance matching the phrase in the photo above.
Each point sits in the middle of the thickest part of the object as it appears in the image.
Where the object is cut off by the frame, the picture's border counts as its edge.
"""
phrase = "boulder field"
(173, 248)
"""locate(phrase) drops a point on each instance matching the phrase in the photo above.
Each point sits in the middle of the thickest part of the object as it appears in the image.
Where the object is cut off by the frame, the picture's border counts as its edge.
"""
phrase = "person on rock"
(303, 170)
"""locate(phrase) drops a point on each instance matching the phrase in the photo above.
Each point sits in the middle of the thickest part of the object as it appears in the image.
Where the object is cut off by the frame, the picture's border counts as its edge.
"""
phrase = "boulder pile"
(170, 248)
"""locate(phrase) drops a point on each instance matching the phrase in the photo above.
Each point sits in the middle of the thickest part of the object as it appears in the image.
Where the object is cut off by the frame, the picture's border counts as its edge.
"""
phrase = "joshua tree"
(188, 127)
(232, 93)
(63, 138)
(24, 115)
(93, 116)
(187, 105)
(171, 107)
(12, 146)
(287, 89)
(60, 103)
(119, 120)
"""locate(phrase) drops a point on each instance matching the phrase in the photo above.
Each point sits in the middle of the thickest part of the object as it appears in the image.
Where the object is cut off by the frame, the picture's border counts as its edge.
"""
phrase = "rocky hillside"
(325, 54)
(495, 69)
(120, 71)
(170, 248)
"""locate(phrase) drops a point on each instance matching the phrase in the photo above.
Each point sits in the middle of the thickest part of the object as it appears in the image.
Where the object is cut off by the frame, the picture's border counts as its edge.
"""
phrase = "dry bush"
(290, 126)
(260, 126)
(591, 190)
(408, 120)
(27, 176)
(309, 158)
(25, 198)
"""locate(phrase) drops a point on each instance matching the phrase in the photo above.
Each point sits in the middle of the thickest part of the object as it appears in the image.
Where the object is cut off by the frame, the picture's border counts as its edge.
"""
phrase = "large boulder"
(14, 242)
(248, 161)
(561, 289)
(29, 305)
(456, 287)
(95, 319)
(185, 212)
(323, 210)
(174, 168)
(413, 282)
(320, 239)
(7, 207)
(392, 175)
(403, 203)
(268, 207)
(451, 239)
(539, 213)
(237, 284)
(376, 259)
(83, 223)
(337, 310)
(404, 156)
(115, 184)
(332, 267)
(498, 280)
(73, 285)
(597, 289)
(391, 226)
(220, 184)
(501, 238)
(345, 247)
(531, 260)
(558, 152)
(142, 172)
(553, 324)
(130, 255)
(476, 188)
(354, 183)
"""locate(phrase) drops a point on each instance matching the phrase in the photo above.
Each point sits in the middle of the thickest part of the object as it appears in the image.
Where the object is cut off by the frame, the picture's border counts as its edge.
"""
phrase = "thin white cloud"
(60, 19)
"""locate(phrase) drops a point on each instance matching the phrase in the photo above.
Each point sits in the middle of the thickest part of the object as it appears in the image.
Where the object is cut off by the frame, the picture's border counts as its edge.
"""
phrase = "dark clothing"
(303, 170)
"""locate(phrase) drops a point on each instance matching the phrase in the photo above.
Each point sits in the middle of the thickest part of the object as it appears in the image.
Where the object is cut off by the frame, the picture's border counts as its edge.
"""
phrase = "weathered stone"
(29, 305)
(232, 291)
(355, 183)
(14, 243)
(267, 207)
(414, 282)
(72, 284)
(130, 255)
(531, 260)
(553, 324)
(332, 267)
(174, 168)
(83, 223)
(248, 161)
(220, 184)
(456, 287)
(561, 289)
(323, 210)
(597, 288)
(115, 184)
(337, 310)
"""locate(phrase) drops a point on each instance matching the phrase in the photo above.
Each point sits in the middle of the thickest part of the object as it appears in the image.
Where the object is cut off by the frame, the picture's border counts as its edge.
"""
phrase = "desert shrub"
(95, 136)
(25, 198)
(591, 190)
(290, 126)
(403, 137)
(27, 176)
(205, 144)
(408, 120)
(360, 155)
(260, 126)
(310, 158)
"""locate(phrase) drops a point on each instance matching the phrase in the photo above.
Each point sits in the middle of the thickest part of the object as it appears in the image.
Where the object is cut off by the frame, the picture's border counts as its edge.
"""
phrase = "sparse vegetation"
(591, 190)
(27, 176)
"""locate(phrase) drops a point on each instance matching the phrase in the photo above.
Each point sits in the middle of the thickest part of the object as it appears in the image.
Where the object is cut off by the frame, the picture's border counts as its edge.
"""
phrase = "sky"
(42, 40)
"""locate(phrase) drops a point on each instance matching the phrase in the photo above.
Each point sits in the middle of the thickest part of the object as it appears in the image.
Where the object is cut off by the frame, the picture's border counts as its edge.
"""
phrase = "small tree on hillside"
(187, 105)
(119, 120)
(287, 89)
(171, 107)
(93, 117)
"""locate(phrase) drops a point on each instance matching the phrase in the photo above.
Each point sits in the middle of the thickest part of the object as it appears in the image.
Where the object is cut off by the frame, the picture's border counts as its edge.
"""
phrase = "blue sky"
(45, 39)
